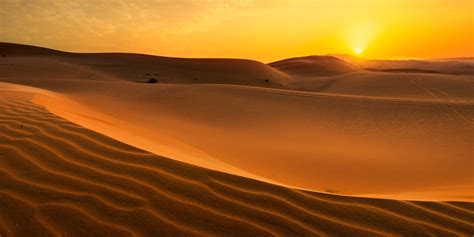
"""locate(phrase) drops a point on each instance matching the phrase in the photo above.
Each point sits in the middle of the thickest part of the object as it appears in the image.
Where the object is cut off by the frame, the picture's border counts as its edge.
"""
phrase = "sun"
(359, 36)
(358, 50)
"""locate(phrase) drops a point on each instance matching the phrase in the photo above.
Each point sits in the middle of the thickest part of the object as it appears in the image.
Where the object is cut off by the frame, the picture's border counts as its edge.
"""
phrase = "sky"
(264, 30)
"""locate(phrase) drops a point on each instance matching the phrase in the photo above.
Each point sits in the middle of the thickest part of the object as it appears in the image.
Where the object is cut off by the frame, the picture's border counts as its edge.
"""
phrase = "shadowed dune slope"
(314, 66)
(57, 178)
(142, 68)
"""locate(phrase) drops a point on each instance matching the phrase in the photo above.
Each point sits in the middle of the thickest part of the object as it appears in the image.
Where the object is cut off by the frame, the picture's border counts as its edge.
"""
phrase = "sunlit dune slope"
(58, 178)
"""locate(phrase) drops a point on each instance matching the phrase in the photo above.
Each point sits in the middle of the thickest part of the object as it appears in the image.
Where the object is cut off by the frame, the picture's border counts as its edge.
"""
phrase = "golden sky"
(264, 30)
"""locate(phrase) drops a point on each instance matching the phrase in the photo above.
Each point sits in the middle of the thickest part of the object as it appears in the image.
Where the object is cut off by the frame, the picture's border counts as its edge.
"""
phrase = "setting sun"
(359, 35)
(358, 50)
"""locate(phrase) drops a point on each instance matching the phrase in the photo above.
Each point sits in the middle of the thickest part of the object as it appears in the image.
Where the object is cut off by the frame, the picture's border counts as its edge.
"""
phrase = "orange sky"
(264, 30)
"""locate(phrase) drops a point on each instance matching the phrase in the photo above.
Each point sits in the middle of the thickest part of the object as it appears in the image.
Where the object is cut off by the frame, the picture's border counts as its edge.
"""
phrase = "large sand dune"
(61, 179)
(142, 68)
(405, 136)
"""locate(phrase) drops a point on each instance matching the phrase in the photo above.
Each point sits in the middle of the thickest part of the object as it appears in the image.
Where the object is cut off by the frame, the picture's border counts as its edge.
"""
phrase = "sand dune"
(61, 179)
(257, 131)
(314, 66)
(435, 87)
(83, 141)
(455, 66)
(142, 68)
(186, 116)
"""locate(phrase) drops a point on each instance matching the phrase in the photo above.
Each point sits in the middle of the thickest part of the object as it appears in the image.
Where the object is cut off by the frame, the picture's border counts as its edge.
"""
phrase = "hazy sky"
(258, 29)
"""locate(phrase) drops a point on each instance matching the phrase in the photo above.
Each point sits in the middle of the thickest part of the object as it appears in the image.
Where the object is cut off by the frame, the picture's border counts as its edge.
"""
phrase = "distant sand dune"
(394, 85)
(141, 68)
(61, 179)
(314, 66)
(454, 66)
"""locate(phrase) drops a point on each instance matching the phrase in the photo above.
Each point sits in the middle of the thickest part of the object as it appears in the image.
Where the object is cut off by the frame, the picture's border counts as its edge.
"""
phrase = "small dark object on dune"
(266, 80)
(330, 191)
(152, 80)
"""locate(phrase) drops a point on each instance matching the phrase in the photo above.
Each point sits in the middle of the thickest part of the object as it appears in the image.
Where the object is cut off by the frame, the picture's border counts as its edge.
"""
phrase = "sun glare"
(359, 36)
(358, 50)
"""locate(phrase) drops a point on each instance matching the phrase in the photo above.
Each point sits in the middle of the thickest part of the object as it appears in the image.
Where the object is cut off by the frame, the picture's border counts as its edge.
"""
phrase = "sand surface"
(83, 141)
(61, 179)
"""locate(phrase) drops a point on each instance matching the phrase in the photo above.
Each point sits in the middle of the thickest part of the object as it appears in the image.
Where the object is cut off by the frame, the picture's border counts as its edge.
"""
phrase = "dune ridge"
(61, 179)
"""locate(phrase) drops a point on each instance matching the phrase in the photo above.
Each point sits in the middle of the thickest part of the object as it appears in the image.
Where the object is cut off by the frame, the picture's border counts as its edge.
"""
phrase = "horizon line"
(336, 54)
